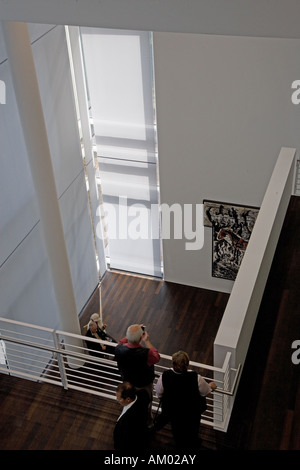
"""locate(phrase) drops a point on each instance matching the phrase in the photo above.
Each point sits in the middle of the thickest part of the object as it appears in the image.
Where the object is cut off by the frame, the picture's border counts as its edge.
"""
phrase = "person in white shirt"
(182, 393)
(131, 431)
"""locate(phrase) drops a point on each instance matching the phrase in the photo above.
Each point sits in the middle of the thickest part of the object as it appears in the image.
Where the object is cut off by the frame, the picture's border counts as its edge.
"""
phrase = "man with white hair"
(136, 362)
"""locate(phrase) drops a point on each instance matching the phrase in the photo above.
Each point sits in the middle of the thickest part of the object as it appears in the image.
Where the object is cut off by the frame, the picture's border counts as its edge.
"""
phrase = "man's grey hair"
(134, 333)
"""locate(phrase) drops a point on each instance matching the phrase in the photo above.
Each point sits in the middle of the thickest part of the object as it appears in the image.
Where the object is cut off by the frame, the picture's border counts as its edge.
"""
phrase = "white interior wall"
(54, 76)
(25, 282)
(224, 110)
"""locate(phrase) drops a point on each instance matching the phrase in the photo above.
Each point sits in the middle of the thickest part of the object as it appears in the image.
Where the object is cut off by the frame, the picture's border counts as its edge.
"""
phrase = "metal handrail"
(88, 377)
(77, 355)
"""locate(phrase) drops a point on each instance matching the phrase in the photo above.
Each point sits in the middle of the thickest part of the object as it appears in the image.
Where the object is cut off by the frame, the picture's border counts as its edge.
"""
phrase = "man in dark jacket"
(182, 393)
(131, 432)
(136, 362)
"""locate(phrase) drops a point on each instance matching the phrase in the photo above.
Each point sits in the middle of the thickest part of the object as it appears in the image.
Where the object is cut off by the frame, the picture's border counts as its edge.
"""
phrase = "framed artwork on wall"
(232, 225)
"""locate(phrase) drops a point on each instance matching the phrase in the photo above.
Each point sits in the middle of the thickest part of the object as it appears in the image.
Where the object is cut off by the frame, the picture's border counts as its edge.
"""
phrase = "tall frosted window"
(121, 91)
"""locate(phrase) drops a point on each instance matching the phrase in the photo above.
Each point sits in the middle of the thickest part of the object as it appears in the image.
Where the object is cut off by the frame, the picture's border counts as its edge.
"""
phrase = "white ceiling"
(262, 18)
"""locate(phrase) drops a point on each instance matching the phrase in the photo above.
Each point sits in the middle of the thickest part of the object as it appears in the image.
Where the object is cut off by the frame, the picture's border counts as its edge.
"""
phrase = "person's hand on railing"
(213, 386)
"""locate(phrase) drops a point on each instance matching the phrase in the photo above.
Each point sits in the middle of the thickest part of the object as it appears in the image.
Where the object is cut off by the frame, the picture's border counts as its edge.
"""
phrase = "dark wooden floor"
(266, 414)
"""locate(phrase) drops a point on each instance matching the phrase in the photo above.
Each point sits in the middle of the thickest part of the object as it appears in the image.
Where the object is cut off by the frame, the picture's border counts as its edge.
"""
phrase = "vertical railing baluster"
(60, 360)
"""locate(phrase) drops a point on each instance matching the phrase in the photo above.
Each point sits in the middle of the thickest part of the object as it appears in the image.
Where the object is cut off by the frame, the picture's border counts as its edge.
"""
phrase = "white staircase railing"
(44, 355)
